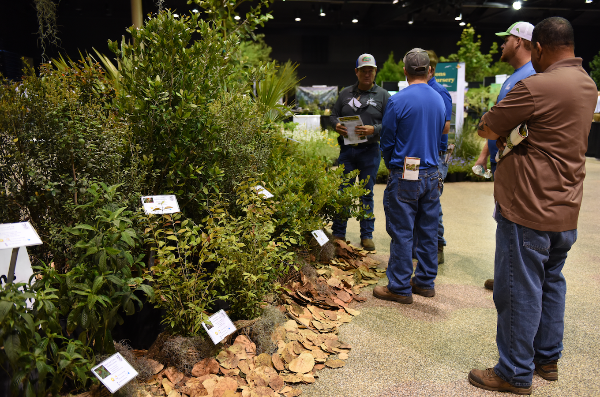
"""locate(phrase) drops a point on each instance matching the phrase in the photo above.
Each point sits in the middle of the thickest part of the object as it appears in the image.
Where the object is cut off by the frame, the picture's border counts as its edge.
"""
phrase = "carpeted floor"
(428, 348)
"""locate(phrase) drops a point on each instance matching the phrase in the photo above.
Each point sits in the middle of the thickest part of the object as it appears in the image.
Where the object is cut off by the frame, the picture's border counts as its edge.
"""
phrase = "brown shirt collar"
(575, 61)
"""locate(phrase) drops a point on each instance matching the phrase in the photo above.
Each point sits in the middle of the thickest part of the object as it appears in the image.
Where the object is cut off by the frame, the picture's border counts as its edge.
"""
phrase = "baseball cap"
(416, 62)
(519, 29)
(365, 60)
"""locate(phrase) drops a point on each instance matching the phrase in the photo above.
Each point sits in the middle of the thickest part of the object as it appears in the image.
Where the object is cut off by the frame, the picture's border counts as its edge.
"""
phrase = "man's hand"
(342, 130)
(485, 132)
(365, 130)
(501, 143)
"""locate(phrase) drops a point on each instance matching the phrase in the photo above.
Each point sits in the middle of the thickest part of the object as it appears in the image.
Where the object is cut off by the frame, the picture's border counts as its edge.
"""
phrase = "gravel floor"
(428, 348)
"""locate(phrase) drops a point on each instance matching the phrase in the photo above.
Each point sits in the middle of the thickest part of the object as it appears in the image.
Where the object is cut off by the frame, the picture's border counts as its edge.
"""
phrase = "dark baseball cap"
(416, 62)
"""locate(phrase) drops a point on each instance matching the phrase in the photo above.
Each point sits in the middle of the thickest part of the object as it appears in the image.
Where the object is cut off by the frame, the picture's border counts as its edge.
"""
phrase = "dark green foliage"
(57, 138)
(391, 71)
(595, 70)
(32, 342)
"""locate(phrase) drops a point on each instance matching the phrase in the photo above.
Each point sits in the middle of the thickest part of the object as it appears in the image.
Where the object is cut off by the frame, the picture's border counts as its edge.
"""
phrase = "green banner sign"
(446, 74)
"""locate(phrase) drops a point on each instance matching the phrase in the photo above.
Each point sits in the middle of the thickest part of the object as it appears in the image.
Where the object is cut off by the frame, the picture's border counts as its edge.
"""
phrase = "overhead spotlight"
(411, 19)
(297, 19)
(517, 5)
(355, 19)
(458, 16)
(462, 23)
(195, 11)
(589, 1)
(395, 2)
(237, 17)
(176, 15)
(321, 12)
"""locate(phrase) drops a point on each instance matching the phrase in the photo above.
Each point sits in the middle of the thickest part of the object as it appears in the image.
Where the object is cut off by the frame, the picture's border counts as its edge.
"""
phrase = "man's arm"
(446, 127)
(387, 140)
(517, 107)
(485, 152)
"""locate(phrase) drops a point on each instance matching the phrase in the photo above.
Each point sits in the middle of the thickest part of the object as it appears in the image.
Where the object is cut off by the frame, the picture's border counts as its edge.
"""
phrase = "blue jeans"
(366, 158)
(412, 205)
(529, 293)
(443, 169)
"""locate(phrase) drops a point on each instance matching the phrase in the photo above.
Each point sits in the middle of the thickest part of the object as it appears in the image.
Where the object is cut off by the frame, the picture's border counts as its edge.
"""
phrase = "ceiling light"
(354, 20)
(297, 19)
(411, 20)
(458, 16)
(176, 15)
(517, 5)
(195, 10)
(237, 17)
(462, 23)
(321, 13)
(589, 1)
(395, 2)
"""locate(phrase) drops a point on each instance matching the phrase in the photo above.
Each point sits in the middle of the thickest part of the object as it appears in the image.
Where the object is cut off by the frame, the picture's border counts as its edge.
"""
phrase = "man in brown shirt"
(538, 190)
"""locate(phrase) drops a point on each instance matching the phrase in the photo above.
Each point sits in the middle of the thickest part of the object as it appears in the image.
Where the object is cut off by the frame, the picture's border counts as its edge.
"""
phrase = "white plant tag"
(114, 372)
(262, 191)
(221, 326)
(160, 204)
(411, 168)
(320, 236)
(22, 234)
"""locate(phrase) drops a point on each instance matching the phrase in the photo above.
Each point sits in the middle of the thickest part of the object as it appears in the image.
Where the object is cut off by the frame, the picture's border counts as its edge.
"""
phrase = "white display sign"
(23, 268)
(114, 372)
(160, 204)
(221, 326)
(22, 234)
(320, 236)
(262, 191)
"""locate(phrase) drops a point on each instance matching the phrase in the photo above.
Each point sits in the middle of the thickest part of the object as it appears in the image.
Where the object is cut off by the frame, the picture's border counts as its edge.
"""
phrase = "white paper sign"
(114, 372)
(160, 204)
(23, 268)
(221, 326)
(261, 190)
(320, 236)
(351, 122)
(22, 234)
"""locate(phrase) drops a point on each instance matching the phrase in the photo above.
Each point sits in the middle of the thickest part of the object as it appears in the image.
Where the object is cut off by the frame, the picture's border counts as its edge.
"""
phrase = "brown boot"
(488, 380)
(385, 294)
(367, 244)
(440, 254)
(428, 293)
(489, 284)
(547, 371)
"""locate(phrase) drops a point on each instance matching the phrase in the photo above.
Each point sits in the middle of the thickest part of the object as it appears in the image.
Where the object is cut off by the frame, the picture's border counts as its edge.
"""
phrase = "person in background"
(413, 124)
(516, 50)
(442, 165)
(538, 191)
(368, 100)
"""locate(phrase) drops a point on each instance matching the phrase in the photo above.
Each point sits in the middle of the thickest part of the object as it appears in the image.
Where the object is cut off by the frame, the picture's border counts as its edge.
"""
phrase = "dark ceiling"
(325, 46)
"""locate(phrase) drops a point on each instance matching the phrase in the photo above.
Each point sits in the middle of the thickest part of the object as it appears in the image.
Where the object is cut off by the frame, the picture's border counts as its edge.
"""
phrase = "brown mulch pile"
(317, 306)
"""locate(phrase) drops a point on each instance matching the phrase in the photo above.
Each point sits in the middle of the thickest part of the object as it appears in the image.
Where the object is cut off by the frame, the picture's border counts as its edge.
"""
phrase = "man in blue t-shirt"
(412, 127)
(516, 50)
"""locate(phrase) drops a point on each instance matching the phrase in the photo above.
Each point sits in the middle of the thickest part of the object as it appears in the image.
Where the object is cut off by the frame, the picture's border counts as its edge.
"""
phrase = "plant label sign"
(221, 326)
(14, 235)
(262, 191)
(22, 271)
(320, 236)
(160, 204)
(114, 372)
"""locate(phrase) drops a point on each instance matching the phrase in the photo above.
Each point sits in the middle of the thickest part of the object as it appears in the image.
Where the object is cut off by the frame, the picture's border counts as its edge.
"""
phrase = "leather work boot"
(547, 371)
(440, 254)
(489, 284)
(488, 380)
(367, 244)
(428, 293)
(384, 293)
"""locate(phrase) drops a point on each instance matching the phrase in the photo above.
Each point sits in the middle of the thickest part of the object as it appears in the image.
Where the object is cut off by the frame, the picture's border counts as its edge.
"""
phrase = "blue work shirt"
(522, 73)
(447, 103)
(412, 126)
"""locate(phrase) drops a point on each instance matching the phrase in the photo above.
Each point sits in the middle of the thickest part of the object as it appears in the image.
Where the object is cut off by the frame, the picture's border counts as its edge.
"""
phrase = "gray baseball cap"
(416, 62)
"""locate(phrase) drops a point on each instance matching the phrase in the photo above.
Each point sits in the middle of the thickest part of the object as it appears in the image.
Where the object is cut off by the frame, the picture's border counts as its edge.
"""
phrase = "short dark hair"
(553, 33)
(433, 58)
